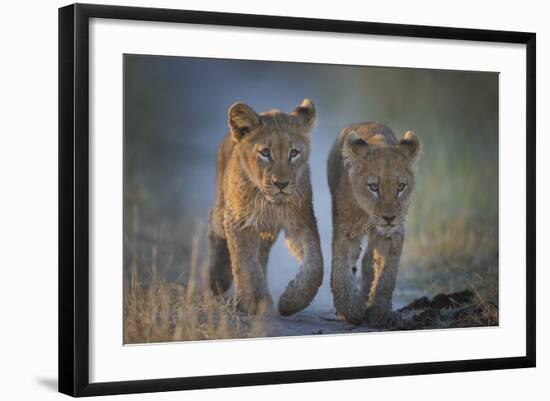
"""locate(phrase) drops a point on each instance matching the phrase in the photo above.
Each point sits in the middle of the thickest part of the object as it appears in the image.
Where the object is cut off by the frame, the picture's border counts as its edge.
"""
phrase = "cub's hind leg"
(219, 260)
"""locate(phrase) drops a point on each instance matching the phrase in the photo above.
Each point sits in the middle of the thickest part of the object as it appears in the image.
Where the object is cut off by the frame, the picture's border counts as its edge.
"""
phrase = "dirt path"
(442, 311)
(313, 321)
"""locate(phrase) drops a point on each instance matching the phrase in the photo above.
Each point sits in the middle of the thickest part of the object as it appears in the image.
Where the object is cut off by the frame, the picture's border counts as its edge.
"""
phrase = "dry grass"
(157, 310)
(452, 234)
(164, 311)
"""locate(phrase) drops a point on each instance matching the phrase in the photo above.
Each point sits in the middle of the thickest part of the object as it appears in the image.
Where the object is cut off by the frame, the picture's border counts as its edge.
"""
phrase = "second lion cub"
(371, 178)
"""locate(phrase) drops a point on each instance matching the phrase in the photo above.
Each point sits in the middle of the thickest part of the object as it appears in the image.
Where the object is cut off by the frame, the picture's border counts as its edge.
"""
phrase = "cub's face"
(273, 147)
(382, 178)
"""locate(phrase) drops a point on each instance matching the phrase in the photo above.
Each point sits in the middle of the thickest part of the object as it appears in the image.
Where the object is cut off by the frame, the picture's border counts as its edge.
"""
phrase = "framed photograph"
(249, 199)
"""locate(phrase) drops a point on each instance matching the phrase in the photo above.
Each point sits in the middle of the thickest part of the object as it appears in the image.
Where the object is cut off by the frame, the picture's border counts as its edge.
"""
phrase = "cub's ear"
(410, 146)
(242, 120)
(306, 114)
(354, 146)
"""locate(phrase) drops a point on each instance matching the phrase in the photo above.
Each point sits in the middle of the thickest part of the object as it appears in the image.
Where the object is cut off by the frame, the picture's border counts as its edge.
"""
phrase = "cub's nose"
(279, 184)
(388, 219)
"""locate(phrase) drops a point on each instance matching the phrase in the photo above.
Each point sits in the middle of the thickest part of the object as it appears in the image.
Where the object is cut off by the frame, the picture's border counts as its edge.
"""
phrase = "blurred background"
(175, 112)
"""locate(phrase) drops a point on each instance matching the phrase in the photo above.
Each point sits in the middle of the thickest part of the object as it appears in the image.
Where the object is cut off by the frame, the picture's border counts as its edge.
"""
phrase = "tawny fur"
(250, 209)
(363, 280)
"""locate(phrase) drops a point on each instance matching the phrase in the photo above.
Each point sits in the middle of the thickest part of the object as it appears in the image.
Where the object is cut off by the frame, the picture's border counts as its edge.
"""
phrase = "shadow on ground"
(49, 383)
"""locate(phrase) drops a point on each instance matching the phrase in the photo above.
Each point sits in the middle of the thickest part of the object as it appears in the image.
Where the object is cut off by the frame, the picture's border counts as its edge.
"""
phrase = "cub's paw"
(288, 304)
(296, 297)
(354, 315)
(259, 306)
(392, 320)
(384, 318)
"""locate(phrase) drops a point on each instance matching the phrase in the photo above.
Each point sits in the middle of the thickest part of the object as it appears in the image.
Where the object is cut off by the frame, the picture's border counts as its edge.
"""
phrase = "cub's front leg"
(249, 275)
(380, 267)
(349, 289)
(303, 242)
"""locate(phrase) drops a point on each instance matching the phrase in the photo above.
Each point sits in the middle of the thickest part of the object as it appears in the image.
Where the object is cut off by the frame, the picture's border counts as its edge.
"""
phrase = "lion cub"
(263, 186)
(371, 178)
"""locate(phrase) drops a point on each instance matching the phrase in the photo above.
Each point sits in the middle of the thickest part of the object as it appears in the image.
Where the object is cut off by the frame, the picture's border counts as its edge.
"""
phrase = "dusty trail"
(442, 311)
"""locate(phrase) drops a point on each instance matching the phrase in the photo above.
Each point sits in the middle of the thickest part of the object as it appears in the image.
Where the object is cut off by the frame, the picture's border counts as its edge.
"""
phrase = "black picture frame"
(74, 198)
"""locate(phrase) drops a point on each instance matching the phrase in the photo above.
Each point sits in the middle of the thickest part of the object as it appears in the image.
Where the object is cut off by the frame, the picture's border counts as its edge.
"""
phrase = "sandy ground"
(313, 321)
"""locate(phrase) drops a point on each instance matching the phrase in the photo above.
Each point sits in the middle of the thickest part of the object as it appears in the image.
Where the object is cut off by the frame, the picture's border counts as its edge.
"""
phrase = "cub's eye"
(401, 187)
(293, 153)
(266, 152)
(374, 187)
